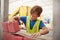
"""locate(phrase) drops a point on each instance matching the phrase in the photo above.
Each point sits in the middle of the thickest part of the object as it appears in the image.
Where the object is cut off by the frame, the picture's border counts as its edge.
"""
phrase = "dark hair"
(37, 9)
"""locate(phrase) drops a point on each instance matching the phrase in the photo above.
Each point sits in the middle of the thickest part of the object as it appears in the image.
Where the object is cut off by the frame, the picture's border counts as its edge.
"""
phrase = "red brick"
(16, 37)
(6, 36)
(13, 27)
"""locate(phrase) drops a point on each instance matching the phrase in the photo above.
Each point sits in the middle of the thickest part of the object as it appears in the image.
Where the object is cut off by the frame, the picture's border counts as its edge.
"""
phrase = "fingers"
(16, 18)
(36, 34)
(33, 34)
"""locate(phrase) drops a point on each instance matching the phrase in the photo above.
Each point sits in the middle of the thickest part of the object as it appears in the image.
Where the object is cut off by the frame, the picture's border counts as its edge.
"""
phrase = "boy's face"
(34, 16)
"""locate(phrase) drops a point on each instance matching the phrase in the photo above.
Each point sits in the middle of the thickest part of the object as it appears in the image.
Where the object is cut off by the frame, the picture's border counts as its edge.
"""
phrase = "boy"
(33, 25)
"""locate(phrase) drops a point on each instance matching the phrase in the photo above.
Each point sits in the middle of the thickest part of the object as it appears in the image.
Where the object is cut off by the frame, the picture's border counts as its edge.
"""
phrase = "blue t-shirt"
(32, 22)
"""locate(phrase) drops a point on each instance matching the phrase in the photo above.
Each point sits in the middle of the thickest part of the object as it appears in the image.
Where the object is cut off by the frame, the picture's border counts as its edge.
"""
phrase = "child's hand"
(36, 34)
(15, 18)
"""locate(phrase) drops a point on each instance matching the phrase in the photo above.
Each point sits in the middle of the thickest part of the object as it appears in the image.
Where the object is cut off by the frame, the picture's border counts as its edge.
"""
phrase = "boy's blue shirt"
(23, 18)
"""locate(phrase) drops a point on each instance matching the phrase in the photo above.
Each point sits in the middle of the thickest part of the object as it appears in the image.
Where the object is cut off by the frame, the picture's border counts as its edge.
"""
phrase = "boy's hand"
(36, 34)
(15, 18)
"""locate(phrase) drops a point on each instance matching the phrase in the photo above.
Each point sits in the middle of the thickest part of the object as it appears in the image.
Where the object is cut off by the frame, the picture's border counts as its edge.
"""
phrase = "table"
(23, 33)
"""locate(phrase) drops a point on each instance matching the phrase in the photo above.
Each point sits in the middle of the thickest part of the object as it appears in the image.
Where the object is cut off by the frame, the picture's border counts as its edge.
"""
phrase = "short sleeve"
(41, 25)
(23, 18)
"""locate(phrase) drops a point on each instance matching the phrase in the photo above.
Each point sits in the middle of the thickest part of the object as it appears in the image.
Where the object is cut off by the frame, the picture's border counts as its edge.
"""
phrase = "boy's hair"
(37, 9)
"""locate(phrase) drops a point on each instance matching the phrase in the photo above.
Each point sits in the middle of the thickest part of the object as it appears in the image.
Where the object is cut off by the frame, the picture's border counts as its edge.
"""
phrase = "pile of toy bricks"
(12, 27)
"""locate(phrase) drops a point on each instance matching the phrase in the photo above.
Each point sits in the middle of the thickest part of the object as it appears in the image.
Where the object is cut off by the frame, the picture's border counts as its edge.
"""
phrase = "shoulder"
(22, 16)
(41, 21)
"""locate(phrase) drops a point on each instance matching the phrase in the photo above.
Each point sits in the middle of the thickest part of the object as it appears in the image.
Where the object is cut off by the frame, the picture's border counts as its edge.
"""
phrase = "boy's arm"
(42, 32)
(15, 18)
(44, 28)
